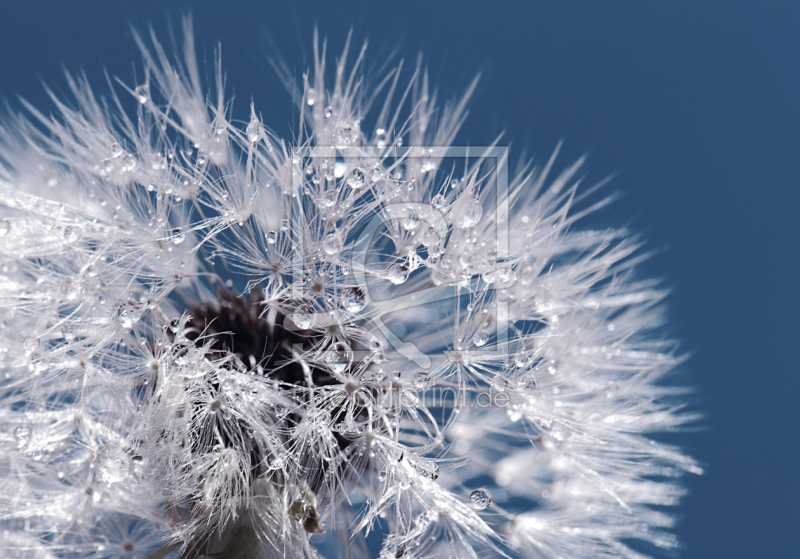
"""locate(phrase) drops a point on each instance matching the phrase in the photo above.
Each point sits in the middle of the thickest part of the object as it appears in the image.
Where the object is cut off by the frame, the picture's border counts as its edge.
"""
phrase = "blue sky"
(692, 104)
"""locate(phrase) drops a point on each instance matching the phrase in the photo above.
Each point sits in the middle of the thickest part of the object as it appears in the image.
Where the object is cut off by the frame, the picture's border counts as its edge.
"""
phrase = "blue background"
(696, 106)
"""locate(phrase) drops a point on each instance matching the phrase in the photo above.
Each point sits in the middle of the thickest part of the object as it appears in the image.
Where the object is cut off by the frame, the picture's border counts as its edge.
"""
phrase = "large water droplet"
(397, 274)
(329, 198)
(253, 130)
(356, 179)
(499, 383)
(272, 237)
(332, 244)
(338, 357)
(381, 138)
(428, 469)
(303, 317)
(354, 299)
(328, 111)
(177, 236)
(430, 237)
(410, 222)
(125, 313)
(481, 338)
(422, 379)
(480, 499)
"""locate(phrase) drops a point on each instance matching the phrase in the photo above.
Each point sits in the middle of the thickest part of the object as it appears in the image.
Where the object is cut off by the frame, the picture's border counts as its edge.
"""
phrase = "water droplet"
(31, 344)
(272, 237)
(422, 379)
(71, 287)
(285, 225)
(303, 317)
(398, 273)
(480, 499)
(499, 383)
(501, 278)
(422, 522)
(72, 233)
(410, 222)
(329, 198)
(311, 97)
(177, 236)
(354, 299)
(116, 149)
(345, 135)
(430, 237)
(253, 130)
(505, 278)
(332, 244)
(338, 357)
(356, 179)
(5, 227)
(328, 111)
(428, 469)
(142, 93)
(380, 138)
(392, 549)
(23, 435)
(438, 201)
(112, 465)
(470, 212)
(126, 313)
(481, 338)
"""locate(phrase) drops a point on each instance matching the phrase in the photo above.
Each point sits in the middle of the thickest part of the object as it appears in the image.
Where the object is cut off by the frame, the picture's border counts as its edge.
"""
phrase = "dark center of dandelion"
(262, 345)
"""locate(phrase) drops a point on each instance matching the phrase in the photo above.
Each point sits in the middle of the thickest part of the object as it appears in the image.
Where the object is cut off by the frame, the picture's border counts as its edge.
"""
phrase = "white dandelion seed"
(217, 343)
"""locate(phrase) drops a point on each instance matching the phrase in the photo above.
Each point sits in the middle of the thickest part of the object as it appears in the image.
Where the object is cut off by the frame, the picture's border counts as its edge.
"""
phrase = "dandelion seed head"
(217, 342)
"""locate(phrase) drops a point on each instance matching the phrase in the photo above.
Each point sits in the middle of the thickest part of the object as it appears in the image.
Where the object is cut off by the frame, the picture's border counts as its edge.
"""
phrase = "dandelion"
(218, 343)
